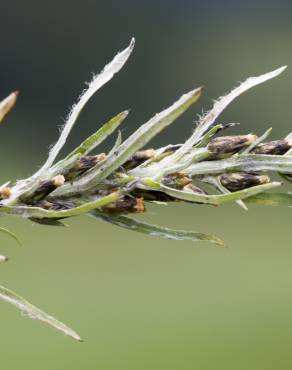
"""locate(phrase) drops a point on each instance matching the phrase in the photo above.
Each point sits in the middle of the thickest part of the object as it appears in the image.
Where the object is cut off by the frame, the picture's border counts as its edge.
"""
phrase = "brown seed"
(230, 144)
(278, 147)
(241, 180)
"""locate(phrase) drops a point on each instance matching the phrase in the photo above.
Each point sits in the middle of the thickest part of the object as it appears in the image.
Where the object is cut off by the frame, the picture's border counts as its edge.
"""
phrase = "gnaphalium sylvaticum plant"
(108, 186)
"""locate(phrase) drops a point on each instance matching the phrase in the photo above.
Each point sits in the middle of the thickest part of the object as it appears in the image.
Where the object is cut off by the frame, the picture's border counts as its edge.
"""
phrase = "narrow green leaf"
(157, 231)
(100, 135)
(208, 136)
(35, 313)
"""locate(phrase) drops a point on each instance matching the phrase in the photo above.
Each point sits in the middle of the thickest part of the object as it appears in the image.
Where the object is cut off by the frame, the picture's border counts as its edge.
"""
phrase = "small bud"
(230, 144)
(140, 157)
(48, 187)
(193, 189)
(58, 181)
(126, 204)
(177, 180)
(7, 104)
(240, 181)
(84, 164)
(143, 155)
(5, 193)
(3, 259)
(279, 147)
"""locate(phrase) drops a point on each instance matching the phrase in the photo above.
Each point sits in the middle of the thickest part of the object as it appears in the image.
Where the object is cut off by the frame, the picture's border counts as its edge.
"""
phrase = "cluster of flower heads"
(109, 186)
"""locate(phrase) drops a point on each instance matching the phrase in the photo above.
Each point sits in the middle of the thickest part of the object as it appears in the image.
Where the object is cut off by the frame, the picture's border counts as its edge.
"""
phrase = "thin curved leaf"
(210, 199)
(37, 212)
(10, 233)
(35, 313)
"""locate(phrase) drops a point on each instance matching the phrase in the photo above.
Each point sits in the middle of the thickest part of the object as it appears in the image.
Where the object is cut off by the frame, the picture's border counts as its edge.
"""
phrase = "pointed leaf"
(100, 135)
(97, 82)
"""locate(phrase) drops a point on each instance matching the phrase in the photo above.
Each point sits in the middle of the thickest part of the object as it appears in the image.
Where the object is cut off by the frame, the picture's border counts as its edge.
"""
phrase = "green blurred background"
(139, 302)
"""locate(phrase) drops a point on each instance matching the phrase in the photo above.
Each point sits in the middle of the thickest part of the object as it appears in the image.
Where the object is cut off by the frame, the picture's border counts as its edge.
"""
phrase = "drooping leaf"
(154, 230)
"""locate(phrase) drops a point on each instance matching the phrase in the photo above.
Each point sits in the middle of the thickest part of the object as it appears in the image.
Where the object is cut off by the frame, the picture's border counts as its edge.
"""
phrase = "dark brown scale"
(47, 187)
(139, 157)
(177, 180)
(240, 181)
(126, 205)
(84, 164)
(152, 196)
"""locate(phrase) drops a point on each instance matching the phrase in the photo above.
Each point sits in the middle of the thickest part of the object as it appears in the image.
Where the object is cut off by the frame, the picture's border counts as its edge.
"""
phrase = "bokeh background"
(140, 302)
